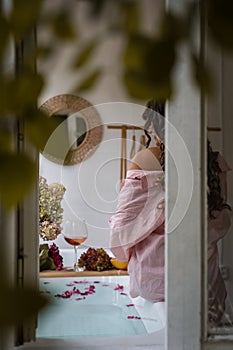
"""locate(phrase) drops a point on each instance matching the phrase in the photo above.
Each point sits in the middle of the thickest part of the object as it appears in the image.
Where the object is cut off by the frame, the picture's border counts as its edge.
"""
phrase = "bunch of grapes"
(95, 260)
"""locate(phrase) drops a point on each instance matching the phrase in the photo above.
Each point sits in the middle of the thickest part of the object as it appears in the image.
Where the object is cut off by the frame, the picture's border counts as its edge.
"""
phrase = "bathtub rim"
(155, 339)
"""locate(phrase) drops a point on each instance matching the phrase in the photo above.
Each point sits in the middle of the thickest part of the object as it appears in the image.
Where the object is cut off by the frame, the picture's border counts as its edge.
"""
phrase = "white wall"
(93, 185)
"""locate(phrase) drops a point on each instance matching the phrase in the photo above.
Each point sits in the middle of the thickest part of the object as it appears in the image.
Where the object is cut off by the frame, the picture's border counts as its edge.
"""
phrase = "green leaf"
(160, 60)
(95, 8)
(135, 86)
(220, 22)
(4, 32)
(5, 95)
(202, 75)
(5, 140)
(174, 27)
(39, 127)
(84, 56)
(62, 26)
(148, 64)
(135, 51)
(130, 17)
(152, 59)
(58, 143)
(18, 172)
(26, 87)
(17, 304)
(88, 82)
(39, 52)
(46, 263)
(43, 251)
(140, 88)
(23, 16)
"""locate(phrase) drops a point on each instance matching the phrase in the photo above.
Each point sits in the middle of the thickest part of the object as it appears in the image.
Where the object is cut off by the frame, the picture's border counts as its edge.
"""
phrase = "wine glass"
(75, 233)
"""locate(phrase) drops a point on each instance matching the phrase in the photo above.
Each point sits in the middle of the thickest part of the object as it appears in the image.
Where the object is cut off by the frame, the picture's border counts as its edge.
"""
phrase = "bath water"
(89, 307)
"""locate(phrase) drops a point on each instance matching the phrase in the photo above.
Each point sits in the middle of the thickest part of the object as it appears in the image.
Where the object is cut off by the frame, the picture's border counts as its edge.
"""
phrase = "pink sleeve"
(140, 211)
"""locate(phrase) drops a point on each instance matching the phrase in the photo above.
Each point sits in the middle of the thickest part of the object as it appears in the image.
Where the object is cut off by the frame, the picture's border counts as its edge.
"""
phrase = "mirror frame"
(94, 126)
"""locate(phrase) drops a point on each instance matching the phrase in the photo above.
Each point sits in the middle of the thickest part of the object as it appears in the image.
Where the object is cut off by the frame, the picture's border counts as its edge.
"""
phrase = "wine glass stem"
(75, 257)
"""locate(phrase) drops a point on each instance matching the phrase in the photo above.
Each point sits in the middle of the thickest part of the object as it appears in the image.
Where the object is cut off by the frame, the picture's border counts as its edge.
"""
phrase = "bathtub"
(98, 312)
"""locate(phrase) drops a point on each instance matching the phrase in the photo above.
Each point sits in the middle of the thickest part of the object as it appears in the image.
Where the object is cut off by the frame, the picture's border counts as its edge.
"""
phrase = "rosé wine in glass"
(75, 233)
(75, 241)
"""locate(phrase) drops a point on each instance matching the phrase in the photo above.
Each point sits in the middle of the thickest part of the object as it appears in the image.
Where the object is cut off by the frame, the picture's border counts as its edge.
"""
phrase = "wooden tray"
(66, 272)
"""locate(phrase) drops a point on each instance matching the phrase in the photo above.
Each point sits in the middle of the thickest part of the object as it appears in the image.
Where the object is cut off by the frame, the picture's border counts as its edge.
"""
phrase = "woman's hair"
(157, 106)
(157, 121)
(215, 200)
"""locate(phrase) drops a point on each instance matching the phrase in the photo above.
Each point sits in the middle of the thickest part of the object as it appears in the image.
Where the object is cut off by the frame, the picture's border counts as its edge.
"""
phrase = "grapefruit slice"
(121, 265)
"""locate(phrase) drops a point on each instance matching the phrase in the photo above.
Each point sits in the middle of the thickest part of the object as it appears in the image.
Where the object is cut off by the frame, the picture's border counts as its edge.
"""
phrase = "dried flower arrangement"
(50, 209)
(50, 216)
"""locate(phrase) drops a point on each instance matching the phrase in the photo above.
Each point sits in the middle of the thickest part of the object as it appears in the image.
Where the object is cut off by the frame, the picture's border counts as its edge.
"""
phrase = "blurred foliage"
(19, 304)
(148, 62)
(85, 54)
(130, 18)
(62, 27)
(18, 166)
(21, 85)
(88, 82)
(220, 22)
(22, 17)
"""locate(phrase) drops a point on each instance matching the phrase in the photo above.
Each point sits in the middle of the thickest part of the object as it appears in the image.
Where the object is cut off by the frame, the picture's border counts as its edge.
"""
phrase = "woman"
(137, 228)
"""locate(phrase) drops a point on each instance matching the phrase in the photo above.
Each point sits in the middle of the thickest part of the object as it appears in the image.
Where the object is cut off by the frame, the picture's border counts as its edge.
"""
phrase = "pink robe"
(137, 236)
(137, 232)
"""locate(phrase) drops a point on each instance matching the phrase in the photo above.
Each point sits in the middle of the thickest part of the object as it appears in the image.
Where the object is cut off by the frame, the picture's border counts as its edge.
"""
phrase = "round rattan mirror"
(79, 132)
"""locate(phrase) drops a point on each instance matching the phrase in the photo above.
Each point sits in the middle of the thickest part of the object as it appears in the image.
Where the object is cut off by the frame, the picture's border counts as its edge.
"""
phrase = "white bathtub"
(142, 323)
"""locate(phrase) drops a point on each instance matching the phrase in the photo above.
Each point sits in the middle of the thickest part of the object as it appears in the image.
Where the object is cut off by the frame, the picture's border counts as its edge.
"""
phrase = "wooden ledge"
(66, 272)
